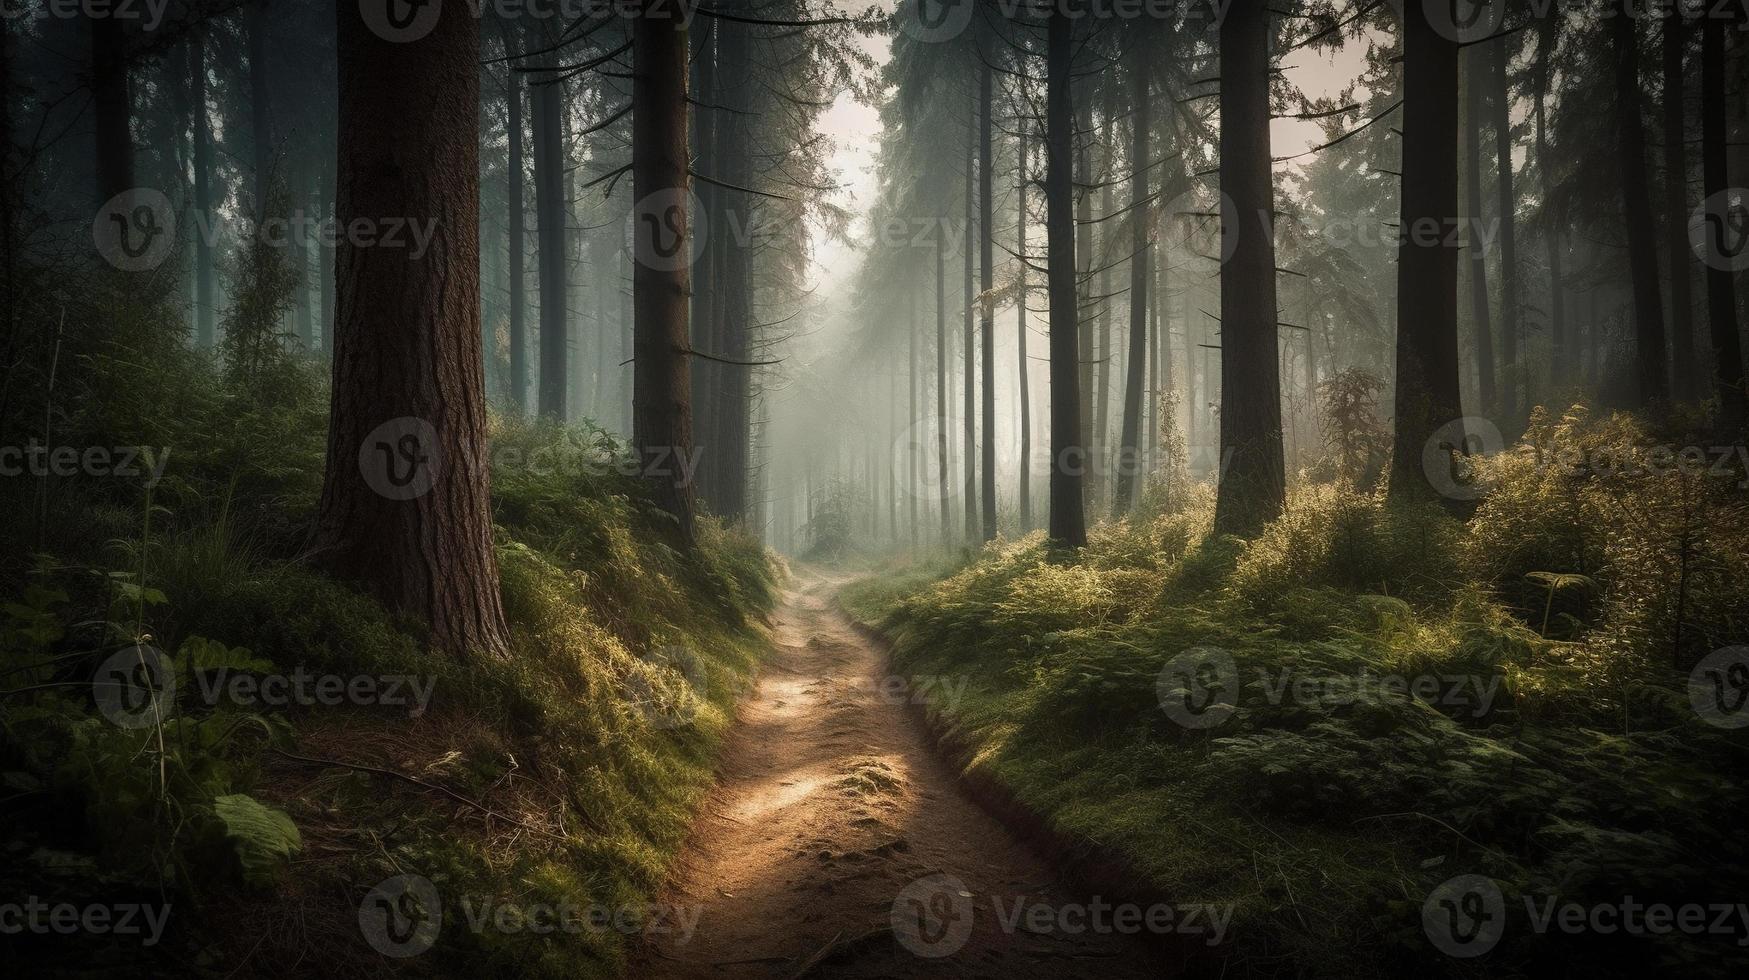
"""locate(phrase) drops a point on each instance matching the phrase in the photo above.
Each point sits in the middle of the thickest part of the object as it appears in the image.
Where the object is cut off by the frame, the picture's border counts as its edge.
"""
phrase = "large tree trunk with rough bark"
(1068, 522)
(1428, 400)
(661, 246)
(1253, 484)
(406, 507)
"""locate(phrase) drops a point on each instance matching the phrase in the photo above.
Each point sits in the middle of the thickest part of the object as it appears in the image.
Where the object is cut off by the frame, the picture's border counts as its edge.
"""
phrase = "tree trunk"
(1477, 258)
(1428, 400)
(1141, 266)
(1512, 373)
(518, 388)
(1252, 488)
(1676, 210)
(406, 502)
(969, 416)
(260, 106)
(662, 386)
(1084, 272)
(1721, 289)
(1099, 448)
(325, 260)
(707, 277)
(204, 322)
(941, 420)
(732, 426)
(1025, 476)
(987, 283)
(111, 107)
(1649, 353)
(1068, 453)
(1558, 341)
(549, 210)
(913, 410)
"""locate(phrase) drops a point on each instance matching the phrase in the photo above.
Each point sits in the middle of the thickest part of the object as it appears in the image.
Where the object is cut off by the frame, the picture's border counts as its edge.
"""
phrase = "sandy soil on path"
(837, 844)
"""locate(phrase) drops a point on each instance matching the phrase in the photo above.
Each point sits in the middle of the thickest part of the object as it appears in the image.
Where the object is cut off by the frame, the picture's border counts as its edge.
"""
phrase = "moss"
(1396, 720)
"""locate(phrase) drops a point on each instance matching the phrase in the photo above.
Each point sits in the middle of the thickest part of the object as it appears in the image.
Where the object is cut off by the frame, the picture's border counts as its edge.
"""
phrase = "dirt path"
(838, 845)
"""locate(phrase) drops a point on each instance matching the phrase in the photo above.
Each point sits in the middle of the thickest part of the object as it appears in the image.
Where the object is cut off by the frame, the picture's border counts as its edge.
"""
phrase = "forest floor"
(837, 843)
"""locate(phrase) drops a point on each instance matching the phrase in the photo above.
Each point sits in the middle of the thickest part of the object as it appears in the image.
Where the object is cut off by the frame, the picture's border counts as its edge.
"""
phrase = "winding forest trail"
(823, 849)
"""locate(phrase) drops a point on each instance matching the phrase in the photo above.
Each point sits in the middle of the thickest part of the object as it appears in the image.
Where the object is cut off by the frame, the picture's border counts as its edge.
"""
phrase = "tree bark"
(518, 239)
(913, 410)
(260, 106)
(1511, 377)
(1084, 271)
(1480, 312)
(987, 283)
(549, 210)
(204, 322)
(1104, 349)
(406, 506)
(707, 274)
(111, 105)
(1141, 266)
(1721, 289)
(1025, 476)
(969, 415)
(941, 419)
(1252, 487)
(733, 385)
(1427, 397)
(661, 287)
(1637, 210)
(1558, 339)
(1068, 524)
(1676, 209)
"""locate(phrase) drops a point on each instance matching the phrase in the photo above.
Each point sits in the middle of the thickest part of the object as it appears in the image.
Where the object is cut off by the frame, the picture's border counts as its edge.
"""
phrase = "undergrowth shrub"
(1413, 696)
